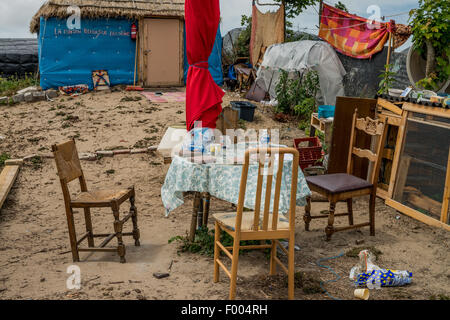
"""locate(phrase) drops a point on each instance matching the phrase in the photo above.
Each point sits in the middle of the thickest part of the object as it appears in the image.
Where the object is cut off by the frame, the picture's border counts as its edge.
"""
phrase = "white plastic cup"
(362, 294)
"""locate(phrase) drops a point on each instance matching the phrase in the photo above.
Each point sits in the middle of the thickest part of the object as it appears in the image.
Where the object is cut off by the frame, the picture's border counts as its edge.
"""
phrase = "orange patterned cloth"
(352, 35)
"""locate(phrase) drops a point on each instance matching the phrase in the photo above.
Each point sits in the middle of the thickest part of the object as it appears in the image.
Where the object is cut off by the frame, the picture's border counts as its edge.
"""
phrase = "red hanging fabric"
(203, 96)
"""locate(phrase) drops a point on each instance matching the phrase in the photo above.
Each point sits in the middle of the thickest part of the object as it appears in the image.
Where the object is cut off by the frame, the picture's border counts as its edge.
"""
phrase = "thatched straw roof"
(131, 9)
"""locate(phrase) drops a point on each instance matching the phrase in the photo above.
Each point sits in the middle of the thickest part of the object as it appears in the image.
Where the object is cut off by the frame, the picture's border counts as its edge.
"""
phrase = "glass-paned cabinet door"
(423, 164)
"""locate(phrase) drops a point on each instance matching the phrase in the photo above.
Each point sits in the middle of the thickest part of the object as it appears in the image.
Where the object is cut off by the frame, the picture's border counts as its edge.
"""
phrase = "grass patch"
(36, 162)
(307, 283)
(242, 124)
(9, 86)
(204, 242)
(353, 253)
(128, 99)
(3, 157)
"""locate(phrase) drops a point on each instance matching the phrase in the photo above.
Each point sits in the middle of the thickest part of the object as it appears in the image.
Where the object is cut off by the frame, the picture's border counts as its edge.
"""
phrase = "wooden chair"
(345, 186)
(256, 226)
(69, 169)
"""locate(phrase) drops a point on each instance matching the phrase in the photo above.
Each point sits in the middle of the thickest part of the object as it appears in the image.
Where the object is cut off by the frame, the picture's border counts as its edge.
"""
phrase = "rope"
(329, 268)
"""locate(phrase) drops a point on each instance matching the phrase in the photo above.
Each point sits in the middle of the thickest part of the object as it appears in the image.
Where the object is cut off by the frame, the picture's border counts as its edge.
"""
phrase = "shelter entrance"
(161, 52)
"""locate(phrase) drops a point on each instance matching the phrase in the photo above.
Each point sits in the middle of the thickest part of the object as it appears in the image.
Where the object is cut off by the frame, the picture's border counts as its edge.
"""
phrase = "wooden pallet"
(7, 178)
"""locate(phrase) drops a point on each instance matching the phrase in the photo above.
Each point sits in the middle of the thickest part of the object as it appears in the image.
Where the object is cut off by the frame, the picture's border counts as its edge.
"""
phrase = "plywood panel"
(7, 178)
(342, 126)
(161, 52)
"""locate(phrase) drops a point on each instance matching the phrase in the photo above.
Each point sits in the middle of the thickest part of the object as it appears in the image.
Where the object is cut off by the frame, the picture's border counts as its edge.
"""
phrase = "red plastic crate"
(310, 155)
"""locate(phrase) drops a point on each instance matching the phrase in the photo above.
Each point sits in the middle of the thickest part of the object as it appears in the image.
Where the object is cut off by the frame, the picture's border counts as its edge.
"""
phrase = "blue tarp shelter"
(214, 61)
(68, 57)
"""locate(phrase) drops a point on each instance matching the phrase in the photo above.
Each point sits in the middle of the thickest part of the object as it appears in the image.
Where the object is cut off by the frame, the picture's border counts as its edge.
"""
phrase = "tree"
(295, 7)
(339, 5)
(431, 37)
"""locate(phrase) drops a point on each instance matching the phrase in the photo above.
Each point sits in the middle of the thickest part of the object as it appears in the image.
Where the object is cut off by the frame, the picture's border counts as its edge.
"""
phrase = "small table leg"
(194, 216)
(207, 199)
(200, 213)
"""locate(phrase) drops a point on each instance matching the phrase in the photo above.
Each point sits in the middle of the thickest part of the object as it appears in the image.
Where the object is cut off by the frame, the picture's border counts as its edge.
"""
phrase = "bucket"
(246, 109)
(326, 111)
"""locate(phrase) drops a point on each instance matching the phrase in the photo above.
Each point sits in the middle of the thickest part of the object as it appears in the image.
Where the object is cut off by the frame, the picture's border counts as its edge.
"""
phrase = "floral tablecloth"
(223, 181)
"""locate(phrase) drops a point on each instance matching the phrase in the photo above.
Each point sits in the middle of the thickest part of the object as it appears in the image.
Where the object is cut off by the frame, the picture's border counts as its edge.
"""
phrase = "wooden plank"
(7, 178)
(381, 193)
(416, 214)
(446, 200)
(389, 106)
(392, 119)
(399, 145)
(440, 112)
(342, 127)
(418, 199)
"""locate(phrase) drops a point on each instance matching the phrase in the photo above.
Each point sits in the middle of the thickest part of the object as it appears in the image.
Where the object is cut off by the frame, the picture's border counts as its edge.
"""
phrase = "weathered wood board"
(7, 178)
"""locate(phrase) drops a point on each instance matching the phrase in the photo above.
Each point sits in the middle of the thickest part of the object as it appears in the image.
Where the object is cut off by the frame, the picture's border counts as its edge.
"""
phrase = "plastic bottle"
(264, 137)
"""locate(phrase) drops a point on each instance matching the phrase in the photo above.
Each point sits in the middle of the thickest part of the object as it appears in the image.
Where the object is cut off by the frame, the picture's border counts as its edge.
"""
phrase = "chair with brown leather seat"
(345, 186)
(69, 169)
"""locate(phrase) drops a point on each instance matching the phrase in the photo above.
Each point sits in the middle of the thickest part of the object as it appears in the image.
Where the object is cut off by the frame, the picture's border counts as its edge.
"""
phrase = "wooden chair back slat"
(258, 196)
(243, 184)
(276, 199)
(373, 128)
(67, 161)
(268, 195)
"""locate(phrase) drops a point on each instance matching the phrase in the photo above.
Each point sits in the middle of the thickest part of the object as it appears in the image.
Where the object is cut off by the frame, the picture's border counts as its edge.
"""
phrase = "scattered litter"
(366, 273)
(362, 294)
(158, 97)
(159, 275)
(74, 90)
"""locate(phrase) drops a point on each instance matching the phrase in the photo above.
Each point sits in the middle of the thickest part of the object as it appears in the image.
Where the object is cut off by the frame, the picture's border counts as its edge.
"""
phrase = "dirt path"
(33, 230)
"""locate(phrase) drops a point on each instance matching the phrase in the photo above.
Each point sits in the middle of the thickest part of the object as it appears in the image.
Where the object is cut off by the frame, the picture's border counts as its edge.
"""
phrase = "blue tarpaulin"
(214, 61)
(68, 57)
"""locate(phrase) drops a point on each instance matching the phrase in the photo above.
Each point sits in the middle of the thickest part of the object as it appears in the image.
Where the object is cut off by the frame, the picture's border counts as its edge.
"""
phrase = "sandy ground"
(34, 238)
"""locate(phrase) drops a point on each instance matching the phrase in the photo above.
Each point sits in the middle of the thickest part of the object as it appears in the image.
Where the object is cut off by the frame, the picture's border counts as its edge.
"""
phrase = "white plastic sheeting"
(296, 57)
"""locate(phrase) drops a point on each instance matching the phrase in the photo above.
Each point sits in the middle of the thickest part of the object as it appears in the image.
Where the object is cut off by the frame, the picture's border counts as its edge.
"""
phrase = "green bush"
(298, 96)
(9, 86)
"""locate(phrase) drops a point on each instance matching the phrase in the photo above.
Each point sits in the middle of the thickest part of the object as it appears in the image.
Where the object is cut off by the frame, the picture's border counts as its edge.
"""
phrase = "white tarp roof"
(300, 55)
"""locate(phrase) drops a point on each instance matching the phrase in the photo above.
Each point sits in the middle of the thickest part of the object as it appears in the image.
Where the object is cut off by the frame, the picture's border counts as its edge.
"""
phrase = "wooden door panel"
(162, 65)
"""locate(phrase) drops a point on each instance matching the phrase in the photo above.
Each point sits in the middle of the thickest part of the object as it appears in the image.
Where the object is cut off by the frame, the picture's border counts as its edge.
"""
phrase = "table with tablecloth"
(222, 181)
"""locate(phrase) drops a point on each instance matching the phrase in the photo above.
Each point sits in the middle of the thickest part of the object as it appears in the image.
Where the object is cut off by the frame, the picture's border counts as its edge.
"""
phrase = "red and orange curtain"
(351, 35)
(203, 96)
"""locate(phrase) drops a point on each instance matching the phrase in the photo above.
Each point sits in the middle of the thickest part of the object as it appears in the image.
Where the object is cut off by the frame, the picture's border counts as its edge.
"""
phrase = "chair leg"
(372, 213)
(136, 233)
(88, 220)
(234, 268)
(291, 266)
(72, 235)
(350, 211)
(329, 230)
(118, 227)
(307, 215)
(216, 253)
(273, 263)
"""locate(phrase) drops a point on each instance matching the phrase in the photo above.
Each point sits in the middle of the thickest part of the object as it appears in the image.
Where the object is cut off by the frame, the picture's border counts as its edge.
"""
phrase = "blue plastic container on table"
(326, 111)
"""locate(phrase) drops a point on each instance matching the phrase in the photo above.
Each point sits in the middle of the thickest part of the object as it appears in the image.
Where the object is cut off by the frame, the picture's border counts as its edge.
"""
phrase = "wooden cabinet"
(415, 171)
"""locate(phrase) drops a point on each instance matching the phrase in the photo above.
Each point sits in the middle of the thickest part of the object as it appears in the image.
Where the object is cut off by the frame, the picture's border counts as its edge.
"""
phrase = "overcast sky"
(15, 15)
